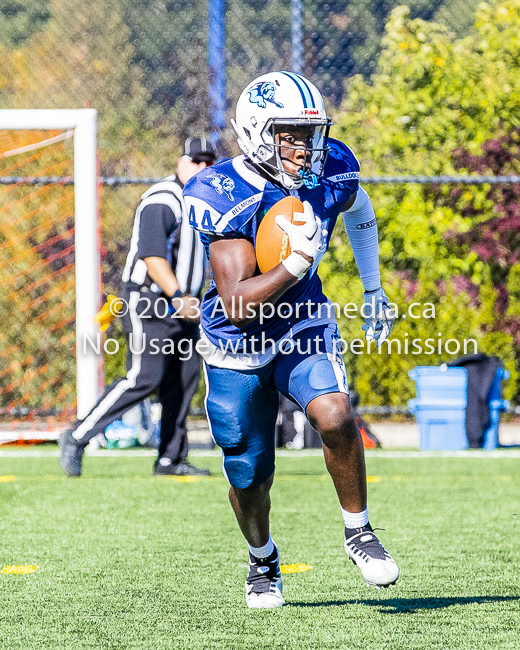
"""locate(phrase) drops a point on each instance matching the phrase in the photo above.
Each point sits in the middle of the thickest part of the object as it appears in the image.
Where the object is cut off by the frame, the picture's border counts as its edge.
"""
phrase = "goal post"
(83, 122)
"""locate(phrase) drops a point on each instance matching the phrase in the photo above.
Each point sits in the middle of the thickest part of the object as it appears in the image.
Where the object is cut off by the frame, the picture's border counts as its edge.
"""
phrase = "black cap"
(199, 150)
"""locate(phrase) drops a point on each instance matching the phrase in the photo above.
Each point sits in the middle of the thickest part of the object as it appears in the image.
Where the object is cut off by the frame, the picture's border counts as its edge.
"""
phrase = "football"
(272, 243)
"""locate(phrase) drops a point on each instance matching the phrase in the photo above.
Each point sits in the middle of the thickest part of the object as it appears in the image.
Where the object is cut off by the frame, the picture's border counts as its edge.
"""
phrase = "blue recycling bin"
(440, 407)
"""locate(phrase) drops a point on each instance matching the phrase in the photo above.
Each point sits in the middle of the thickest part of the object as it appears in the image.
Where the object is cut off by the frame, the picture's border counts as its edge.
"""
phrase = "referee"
(164, 272)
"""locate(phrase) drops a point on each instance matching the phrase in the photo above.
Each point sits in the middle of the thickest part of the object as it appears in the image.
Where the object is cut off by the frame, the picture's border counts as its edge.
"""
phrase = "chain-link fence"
(436, 98)
(37, 294)
(144, 65)
(37, 346)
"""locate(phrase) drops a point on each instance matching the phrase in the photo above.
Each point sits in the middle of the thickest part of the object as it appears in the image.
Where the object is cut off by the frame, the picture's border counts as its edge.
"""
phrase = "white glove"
(307, 238)
(379, 316)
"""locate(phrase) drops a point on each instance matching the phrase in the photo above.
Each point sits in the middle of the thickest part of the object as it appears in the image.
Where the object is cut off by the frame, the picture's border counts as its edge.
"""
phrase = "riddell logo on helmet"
(311, 111)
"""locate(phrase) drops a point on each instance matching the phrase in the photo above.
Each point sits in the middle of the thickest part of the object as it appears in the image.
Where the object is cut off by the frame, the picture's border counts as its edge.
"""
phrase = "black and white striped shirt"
(161, 229)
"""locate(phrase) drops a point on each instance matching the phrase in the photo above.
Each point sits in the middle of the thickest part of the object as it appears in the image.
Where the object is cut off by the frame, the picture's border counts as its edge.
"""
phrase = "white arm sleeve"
(361, 226)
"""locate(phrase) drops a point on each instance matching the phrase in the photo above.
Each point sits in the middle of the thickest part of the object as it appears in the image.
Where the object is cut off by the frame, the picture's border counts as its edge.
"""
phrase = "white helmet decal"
(263, 92)
(275, 100)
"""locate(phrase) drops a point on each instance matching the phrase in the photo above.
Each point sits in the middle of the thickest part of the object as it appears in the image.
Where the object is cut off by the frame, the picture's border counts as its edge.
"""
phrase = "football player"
(250, 357)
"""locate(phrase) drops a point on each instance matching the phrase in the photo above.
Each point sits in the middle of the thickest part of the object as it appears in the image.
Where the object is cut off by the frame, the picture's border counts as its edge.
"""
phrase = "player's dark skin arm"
(233, 262)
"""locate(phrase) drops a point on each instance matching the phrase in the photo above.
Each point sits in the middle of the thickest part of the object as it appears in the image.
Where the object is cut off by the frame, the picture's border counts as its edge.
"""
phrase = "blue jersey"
(230, 199)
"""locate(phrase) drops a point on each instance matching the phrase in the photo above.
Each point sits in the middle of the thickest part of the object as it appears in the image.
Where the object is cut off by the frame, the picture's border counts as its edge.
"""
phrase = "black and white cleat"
(377, 566)
(264, 582)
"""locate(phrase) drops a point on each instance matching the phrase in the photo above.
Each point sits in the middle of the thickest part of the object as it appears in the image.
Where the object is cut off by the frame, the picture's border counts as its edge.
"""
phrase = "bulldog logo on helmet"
(262, 93)
(223, 185)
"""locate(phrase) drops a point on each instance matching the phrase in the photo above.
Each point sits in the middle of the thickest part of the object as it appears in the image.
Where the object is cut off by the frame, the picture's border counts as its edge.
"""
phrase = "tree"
(85, 59)
(495, 239)
(433, 96)
(19, 21)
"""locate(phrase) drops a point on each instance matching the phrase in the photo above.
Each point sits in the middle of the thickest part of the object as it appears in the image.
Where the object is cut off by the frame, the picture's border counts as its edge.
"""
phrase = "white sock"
(164, 462)
(355, 519)
(263, 551)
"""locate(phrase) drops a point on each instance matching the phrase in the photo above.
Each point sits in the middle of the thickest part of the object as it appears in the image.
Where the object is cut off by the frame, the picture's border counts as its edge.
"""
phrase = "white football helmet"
(272, 102)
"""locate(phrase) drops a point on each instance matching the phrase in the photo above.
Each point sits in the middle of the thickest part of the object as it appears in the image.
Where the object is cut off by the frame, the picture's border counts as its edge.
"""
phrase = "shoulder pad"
(342, 164)
(223, 198)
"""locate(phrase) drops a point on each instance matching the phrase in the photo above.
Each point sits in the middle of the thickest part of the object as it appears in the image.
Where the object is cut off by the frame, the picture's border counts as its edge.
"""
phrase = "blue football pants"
(242, 405)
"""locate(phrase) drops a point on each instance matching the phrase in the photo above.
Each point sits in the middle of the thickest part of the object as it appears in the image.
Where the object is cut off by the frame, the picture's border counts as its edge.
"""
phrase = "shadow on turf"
(409, 605)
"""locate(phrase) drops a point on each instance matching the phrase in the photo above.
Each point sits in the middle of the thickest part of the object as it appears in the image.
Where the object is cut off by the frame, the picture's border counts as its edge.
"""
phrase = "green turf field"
(127, 561)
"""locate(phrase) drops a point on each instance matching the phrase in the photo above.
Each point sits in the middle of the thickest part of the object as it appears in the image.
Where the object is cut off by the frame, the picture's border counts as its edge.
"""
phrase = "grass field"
(127, 561)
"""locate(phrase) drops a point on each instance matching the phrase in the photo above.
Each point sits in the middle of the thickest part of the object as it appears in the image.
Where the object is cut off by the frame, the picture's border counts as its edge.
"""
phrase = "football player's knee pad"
(245, 443)
(248, 470)
(242, 416)
(317, 375)
(225, 422)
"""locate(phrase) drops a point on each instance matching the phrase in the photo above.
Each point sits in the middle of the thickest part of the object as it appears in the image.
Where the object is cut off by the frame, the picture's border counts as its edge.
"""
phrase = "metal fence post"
(217, 69)
(297, 36)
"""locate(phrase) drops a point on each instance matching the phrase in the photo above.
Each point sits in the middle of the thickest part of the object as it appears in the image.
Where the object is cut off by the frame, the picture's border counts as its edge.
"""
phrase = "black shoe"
(179, 469)
(264, 582)
(376, 564)
(71, 454)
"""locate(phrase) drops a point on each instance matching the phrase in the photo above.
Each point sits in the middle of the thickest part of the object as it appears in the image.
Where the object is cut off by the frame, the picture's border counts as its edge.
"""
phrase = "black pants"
(285, 431)
(161, 357)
